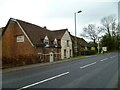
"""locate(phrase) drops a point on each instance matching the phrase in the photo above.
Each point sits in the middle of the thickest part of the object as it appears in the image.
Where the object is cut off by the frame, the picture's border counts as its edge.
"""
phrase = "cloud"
(57, 14)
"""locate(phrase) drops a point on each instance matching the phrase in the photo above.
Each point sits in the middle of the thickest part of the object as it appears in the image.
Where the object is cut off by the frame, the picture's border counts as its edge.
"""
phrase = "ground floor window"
(55, 54)
(65, 53)
(70, 53)
(86, 48)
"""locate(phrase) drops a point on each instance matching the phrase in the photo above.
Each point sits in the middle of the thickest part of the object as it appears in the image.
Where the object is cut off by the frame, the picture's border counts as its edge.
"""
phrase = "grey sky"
(57, 14)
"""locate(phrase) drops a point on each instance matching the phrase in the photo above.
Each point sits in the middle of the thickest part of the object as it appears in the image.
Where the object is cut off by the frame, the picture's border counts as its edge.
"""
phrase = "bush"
(88, 52)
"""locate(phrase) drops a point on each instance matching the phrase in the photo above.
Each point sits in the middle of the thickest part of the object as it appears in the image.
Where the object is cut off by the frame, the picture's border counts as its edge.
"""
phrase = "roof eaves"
(24, 33)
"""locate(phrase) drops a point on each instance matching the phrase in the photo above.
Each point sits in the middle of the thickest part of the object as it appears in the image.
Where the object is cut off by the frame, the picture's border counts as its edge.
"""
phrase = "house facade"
(66, 44)
(23, 39)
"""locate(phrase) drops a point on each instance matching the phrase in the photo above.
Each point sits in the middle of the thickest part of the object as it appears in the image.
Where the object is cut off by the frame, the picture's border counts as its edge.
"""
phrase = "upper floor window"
(46, 41)
(20, 38)
(67, 43)
(55, 42)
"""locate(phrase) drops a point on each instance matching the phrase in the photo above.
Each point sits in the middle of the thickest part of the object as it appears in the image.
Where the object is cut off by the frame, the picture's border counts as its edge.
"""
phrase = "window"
(65, 53)
(70, 53)
(46, 41)
(20, 38)
(55, 42)
(55, 54)
(85, 48)
(67, 43)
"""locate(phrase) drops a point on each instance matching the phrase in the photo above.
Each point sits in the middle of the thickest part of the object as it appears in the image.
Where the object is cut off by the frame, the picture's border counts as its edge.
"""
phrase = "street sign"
(104, 49)
(39, 52)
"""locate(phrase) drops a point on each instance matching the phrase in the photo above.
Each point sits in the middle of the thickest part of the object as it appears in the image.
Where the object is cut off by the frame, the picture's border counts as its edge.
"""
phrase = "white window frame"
(55, 42)
(20, 38)
(46, 41)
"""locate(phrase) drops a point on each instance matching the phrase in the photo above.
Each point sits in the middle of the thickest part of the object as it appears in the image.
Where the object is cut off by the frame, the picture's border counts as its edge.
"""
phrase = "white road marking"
(112, 56)
(87, 65)
(43, 81)
(104, 59)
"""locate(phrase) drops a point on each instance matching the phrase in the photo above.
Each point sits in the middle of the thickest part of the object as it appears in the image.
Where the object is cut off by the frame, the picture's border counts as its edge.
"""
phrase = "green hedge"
(88, 52)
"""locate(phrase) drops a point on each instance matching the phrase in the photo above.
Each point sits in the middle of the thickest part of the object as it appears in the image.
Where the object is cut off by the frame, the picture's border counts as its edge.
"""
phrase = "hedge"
(88, 52)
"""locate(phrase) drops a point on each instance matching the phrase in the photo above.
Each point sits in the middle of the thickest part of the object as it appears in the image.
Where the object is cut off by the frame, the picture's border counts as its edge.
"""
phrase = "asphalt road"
(95, 72)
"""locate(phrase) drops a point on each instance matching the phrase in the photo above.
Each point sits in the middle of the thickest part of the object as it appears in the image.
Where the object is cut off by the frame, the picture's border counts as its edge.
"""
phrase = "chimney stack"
(45, 27)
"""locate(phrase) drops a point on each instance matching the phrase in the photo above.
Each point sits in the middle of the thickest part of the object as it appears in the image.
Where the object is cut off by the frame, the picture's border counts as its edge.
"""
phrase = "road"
(100, 71)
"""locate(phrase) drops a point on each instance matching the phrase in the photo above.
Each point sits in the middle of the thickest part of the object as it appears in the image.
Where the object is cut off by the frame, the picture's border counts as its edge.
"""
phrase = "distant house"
(21, 38)
(81, 45)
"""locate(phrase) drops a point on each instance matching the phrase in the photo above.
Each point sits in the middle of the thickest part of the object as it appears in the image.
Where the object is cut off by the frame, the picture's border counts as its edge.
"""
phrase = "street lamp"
(98, 45)
(75, 20)
(75, 48)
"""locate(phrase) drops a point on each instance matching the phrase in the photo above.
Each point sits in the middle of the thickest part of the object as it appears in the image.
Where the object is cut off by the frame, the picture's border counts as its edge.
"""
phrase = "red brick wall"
(10, 47)
(47, 57)
(45, 54)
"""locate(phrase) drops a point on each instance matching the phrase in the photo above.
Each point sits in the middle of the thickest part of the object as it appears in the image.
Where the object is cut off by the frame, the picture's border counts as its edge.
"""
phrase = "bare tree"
(91, 32)
(109, 23)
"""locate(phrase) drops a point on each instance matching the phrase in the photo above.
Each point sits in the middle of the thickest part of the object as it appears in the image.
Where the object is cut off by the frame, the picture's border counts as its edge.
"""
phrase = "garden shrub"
(88, 52)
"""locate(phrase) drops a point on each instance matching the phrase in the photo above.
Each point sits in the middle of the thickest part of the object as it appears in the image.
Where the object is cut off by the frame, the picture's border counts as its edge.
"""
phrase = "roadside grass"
(76, 57)
(114, 51)
(33, 61)
(69, 58)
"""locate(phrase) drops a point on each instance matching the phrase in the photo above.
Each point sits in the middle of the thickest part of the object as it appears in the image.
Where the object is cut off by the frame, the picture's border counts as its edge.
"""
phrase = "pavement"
(99, 71)
(41, 64)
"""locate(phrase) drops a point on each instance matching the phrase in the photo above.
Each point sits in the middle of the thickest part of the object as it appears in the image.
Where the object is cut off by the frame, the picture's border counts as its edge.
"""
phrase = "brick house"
(20, 38)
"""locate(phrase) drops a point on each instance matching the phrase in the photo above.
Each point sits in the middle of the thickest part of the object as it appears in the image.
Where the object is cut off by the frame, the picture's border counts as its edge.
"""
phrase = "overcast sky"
(57, 14)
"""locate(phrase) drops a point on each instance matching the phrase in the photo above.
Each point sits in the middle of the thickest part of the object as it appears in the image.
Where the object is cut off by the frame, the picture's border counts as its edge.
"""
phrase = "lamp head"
(79, 11)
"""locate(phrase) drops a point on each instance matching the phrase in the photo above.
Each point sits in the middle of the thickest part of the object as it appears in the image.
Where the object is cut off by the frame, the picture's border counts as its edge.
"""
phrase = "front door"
(51, 56)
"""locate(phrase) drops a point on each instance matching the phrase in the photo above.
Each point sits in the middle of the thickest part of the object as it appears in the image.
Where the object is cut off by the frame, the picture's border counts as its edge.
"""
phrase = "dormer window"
(55, 42)
(46, 41)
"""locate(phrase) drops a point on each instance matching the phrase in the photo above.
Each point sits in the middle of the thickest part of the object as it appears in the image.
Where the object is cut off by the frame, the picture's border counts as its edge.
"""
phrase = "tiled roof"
(58, 33)
(37, 34)
(80, 41)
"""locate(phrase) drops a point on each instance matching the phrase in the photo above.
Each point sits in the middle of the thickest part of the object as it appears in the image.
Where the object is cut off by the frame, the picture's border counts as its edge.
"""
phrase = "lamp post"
(98, 44)
(75, 47)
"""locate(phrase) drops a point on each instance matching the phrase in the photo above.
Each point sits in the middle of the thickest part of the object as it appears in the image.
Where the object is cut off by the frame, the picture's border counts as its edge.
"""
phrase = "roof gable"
(36, 34)
(58, 34)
